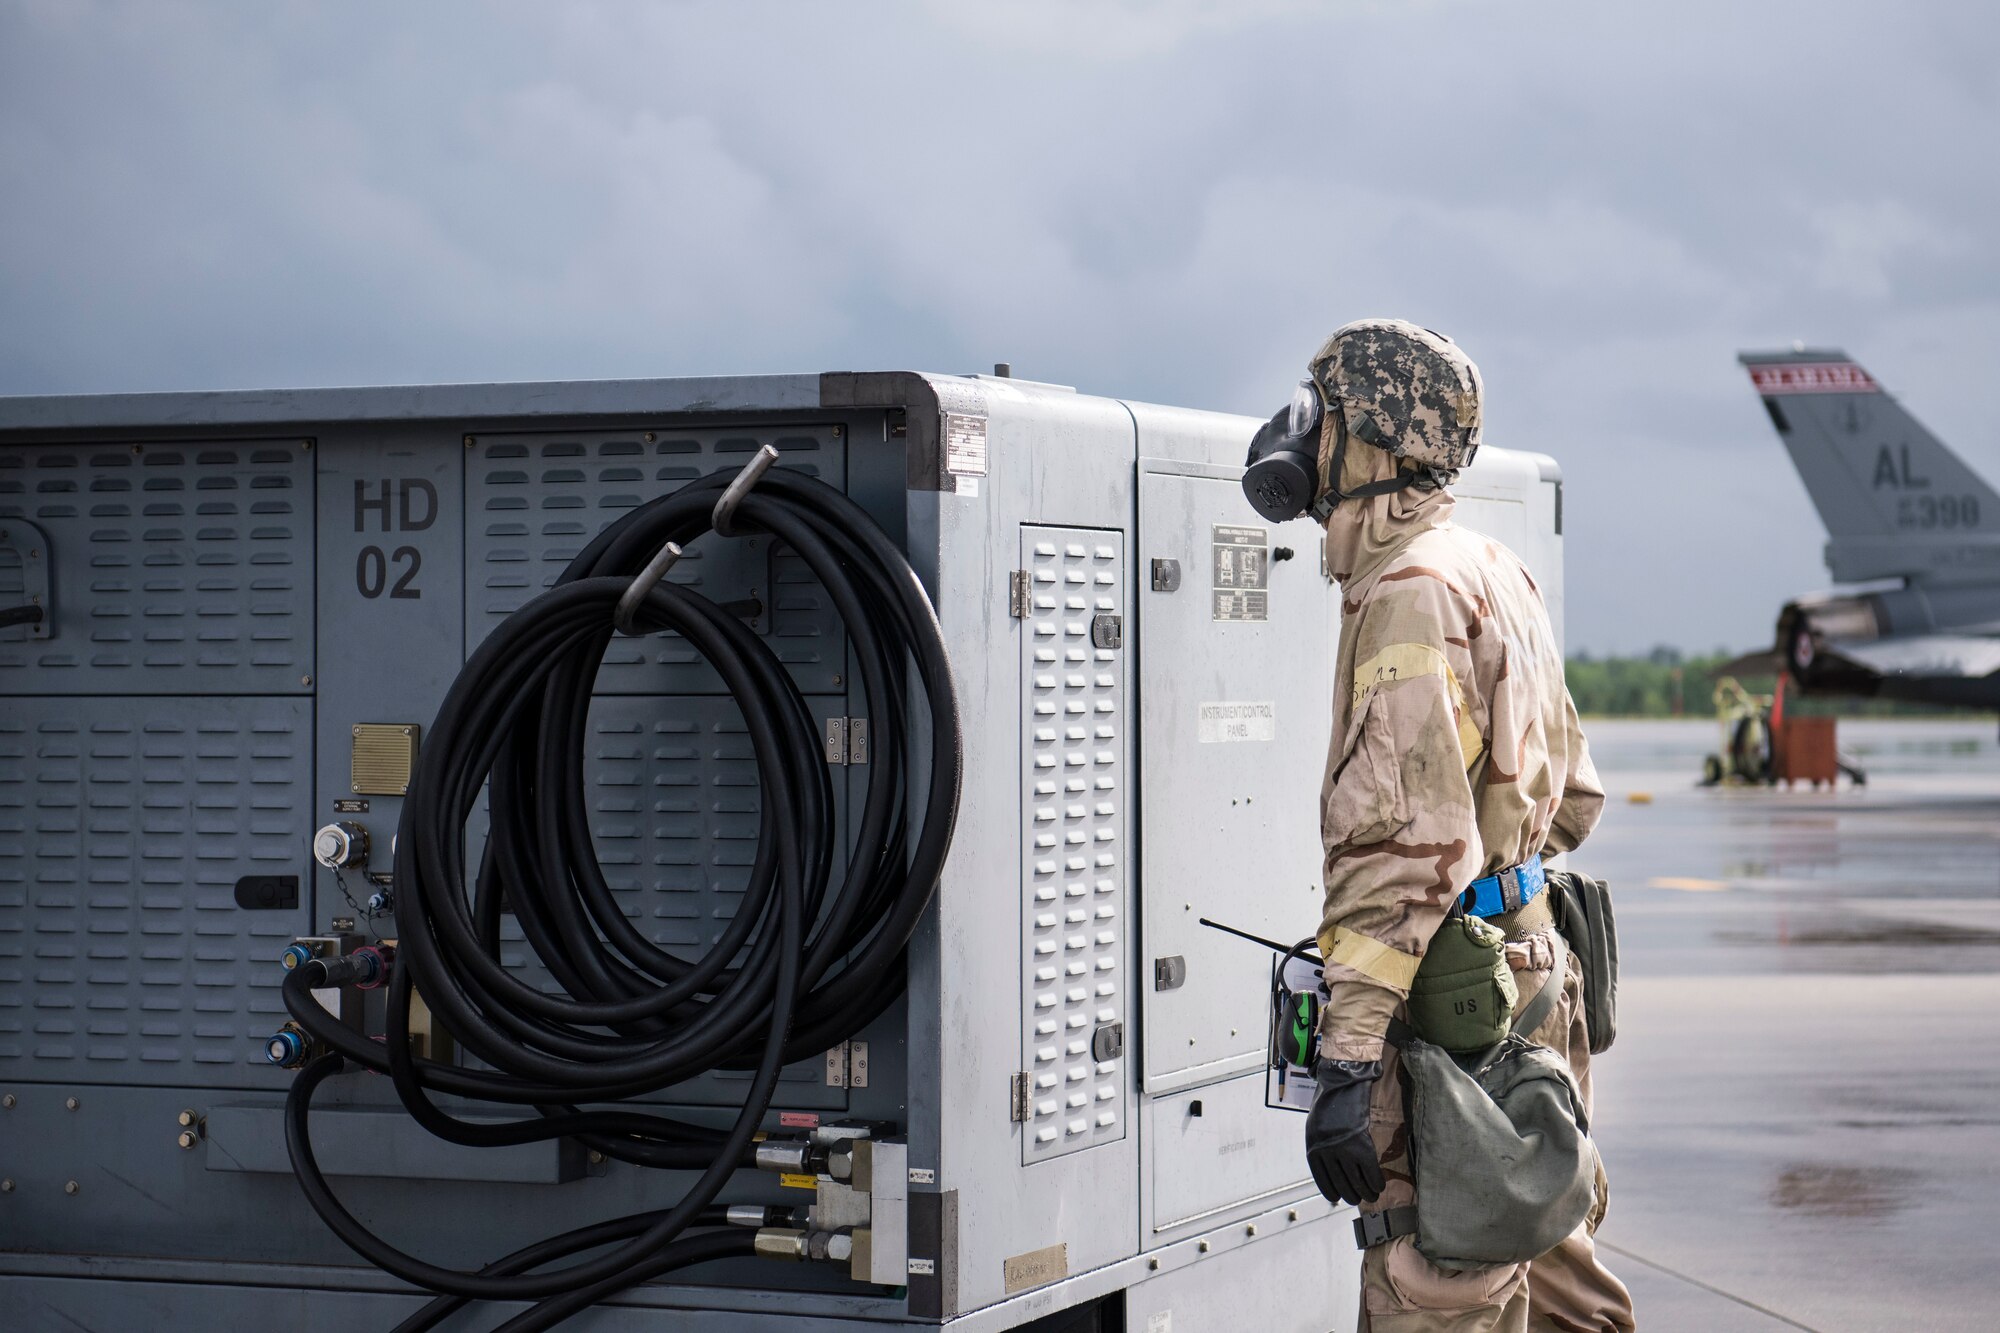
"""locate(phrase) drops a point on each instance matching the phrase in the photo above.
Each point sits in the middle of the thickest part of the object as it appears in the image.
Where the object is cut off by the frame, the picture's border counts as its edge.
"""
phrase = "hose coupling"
(792, 1157)
(755, 1215)
(289, 1047)
(781, 1243)
(796, 1246)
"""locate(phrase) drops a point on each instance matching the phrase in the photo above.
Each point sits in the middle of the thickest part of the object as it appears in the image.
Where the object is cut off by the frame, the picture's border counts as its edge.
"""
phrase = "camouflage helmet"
(1404, 389)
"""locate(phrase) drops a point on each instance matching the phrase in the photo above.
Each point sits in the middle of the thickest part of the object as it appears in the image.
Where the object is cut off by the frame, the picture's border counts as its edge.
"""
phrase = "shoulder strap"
(1536, 1011)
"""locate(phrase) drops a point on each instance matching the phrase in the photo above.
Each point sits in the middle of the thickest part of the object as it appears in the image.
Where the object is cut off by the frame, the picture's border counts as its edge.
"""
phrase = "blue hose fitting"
(287, 1048)
(295, 956)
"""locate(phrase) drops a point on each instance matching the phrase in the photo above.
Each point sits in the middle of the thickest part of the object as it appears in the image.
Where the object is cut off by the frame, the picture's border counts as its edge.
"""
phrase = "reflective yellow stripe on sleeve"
(1405, 661)
(1370, 957)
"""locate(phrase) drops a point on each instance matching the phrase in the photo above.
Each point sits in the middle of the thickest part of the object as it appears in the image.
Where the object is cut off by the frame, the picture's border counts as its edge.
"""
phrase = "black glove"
(1338, 1147)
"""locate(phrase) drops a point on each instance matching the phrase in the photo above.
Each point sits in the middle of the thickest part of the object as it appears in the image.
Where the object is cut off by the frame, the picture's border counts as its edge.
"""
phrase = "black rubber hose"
(814, 952)
(561, 1247)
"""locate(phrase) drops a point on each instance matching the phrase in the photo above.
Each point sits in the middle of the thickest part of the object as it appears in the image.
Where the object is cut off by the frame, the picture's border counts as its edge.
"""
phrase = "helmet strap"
(1333, 495)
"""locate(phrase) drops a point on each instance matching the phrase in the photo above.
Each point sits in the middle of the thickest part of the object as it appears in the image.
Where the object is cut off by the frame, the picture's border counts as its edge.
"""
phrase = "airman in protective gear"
(1456, 763)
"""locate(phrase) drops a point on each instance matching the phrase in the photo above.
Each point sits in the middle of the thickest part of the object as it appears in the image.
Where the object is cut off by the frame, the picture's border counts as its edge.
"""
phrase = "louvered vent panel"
(1074, 825)
(175, 569)
(124, 826)
(535, 501)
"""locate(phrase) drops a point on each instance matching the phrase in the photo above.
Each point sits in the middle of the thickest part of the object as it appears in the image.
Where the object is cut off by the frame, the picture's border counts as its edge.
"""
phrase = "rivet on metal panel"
(468, 441)
(72, 1104)
(7, 1102)
(650, 437)
(6, 1186)
(596, 1158)
(71, 1187)
(188, 1138)
(305, 680)
(305, 444)
(188, 1118)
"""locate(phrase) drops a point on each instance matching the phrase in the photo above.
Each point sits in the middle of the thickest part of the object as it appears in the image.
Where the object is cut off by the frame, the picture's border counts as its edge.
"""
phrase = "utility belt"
(1506, 890)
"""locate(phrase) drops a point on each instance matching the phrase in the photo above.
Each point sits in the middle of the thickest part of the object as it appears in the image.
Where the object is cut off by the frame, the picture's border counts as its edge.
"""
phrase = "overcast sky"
(1172, 201)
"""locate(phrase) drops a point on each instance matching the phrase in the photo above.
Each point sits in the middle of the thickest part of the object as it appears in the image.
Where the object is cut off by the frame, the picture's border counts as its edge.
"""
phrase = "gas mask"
(1281, 476)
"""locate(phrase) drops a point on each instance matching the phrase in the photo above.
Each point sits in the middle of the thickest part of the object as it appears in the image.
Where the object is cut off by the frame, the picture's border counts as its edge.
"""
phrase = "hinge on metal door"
(847, 1065)
(846, 740)
(1017, 1094)
(1018, 594)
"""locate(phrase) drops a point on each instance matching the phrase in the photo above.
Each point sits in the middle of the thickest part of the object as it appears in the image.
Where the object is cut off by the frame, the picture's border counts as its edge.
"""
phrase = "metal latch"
(847, 740)
(1166, 576)
(1018, 594)
(1170, 972)
(1107, 630)
(1108, 1042)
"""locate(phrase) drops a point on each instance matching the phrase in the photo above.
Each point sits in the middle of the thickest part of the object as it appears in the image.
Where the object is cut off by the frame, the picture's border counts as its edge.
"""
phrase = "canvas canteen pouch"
(1499, 1145)
(1463, 991)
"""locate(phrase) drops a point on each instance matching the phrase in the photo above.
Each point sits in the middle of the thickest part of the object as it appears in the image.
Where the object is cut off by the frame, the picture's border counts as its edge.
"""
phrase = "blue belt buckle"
(1488, 896)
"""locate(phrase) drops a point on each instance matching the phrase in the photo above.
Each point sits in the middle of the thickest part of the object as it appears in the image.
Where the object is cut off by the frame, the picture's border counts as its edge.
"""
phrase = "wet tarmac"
(1801, 1115)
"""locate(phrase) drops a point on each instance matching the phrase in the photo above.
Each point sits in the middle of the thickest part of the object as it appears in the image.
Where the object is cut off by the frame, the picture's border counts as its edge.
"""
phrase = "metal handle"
(753, 471)
(655, 570)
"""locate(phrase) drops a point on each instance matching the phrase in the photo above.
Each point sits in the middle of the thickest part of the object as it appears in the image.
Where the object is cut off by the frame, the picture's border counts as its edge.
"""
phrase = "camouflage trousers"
(1566, 1290)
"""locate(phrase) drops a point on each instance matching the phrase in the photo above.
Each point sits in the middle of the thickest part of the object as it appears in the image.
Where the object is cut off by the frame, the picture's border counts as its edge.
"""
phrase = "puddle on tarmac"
(1819, 1190)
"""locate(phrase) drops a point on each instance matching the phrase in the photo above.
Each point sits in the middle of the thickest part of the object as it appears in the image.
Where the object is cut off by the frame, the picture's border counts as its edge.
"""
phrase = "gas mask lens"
(1306, 410)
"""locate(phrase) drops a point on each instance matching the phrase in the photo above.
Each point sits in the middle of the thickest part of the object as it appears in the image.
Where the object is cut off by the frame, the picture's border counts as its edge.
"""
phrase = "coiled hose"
(815, 950)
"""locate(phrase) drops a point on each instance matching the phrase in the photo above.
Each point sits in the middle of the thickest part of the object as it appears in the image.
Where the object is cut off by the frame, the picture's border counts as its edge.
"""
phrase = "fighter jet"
(1913, 538)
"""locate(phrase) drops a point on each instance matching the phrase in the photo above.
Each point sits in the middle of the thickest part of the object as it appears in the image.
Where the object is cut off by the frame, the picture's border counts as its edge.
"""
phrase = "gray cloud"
(1172, 201)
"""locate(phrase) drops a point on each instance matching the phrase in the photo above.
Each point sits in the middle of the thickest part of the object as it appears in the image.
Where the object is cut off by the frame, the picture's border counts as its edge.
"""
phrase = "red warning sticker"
(798, 1119)
(1825, 377)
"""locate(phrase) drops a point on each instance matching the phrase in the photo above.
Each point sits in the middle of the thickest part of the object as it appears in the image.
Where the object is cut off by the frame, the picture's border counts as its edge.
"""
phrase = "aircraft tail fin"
(1892, 496)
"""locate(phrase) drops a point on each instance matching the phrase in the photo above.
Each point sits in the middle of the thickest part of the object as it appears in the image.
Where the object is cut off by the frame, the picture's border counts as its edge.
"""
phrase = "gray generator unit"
(253, 605)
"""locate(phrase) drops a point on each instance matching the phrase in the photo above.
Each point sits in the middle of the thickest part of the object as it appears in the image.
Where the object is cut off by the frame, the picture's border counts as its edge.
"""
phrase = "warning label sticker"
(964, 445)
(1221, 723)
(1241, 573)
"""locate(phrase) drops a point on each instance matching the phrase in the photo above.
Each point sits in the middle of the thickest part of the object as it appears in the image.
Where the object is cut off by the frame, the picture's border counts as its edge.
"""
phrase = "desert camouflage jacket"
(1456, 753)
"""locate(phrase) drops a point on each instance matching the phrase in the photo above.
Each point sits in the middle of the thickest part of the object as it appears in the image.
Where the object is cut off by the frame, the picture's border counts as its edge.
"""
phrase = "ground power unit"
(1036, 1084)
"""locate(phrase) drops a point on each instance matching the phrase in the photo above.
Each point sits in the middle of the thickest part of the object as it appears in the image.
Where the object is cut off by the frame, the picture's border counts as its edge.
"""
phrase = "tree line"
(1666, 683)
